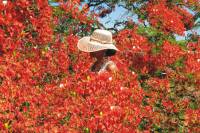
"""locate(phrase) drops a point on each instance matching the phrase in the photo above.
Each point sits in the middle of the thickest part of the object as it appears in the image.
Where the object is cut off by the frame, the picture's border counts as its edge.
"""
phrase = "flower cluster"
(46, 85)
(168, 20)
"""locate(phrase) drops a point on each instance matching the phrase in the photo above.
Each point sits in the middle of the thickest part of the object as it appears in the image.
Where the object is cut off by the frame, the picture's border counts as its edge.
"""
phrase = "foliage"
(46, 85)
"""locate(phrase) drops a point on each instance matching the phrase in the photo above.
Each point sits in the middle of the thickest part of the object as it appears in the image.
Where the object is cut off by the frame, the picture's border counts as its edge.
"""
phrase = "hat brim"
(85, 45)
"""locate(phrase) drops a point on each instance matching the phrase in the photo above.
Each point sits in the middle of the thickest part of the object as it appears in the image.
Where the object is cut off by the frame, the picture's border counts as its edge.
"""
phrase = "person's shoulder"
(112, 66)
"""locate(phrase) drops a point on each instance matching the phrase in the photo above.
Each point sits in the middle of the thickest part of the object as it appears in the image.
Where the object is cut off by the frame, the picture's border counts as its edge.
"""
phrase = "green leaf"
(86, 130)
(148, 31)
(157, 128)
(181, 115)
(48, 78)
(181, 129)
(193, 105)
(145, 86)
(28, 44)
(155, 50)
(182, 44)
(144, 101)
(159, 105)
(159, 73)
(171, 39)
(172, 96)
(172, 83)
(190, 76)
(73, 93)
(143, 124)
(179, 63)
(66, 118)
(25, 104)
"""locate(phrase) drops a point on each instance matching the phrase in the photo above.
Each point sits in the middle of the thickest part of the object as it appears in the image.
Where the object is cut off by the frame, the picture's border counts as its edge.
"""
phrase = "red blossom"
(161, 16)
(46, 84)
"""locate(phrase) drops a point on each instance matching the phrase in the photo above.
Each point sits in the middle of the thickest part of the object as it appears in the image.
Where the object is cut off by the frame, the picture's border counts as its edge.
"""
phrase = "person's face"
(97, 54)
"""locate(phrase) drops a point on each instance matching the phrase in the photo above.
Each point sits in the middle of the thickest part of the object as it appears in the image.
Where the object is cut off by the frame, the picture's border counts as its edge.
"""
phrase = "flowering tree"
(46, 86)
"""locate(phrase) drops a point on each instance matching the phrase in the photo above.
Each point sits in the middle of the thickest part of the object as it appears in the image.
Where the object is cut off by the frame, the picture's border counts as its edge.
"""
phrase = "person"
(101, 47)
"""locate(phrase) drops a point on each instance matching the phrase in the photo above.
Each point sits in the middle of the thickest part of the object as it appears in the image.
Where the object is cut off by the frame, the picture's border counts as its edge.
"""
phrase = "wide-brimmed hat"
(99, 40)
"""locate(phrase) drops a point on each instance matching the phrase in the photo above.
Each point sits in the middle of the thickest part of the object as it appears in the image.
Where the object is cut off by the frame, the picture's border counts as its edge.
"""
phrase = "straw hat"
(99, 40)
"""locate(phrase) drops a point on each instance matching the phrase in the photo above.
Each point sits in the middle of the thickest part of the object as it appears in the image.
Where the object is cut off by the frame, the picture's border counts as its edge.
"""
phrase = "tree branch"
(94, 3)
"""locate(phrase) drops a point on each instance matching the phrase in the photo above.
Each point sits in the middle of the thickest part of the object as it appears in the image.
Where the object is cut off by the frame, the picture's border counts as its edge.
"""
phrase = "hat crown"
(102, 36)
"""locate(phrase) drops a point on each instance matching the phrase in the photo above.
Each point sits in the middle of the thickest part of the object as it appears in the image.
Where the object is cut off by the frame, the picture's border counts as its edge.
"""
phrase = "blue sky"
(119, 14)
